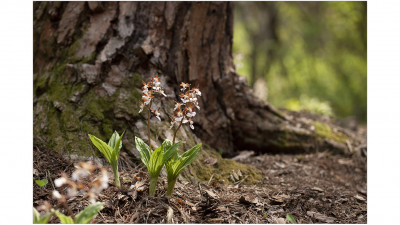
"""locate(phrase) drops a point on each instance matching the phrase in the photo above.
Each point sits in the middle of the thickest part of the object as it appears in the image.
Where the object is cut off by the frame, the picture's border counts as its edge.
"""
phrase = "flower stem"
(148, 124)
(170, 189)
(116, 176)
(176, 131)
(153, 185)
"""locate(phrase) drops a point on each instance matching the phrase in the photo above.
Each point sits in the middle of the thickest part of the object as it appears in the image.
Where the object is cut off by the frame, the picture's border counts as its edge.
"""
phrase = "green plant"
(38, 219)
(41, 182)
(83, 217)
(156, 160)
(167, 154)
(88, 180)
(175, 165)
(290, 218)
(110, 151)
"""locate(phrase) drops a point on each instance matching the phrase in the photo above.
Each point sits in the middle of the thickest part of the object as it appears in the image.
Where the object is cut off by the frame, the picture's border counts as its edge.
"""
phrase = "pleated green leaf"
(144, 151)
(174, 166)
(64, 219)
(110, 151)
(117, 146)
(86, 215)
(190, 155)
(103, 147)
(113, 140)
(38, 219)
(156, 162)
(170, 150)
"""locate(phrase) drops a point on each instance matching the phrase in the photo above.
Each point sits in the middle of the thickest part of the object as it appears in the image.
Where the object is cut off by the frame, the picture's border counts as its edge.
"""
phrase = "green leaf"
(169, 150)
(117, 149)
(86, 215)
(42, 182)
(190, 155)
(156, 162)
(290, 218)
(114, 138)
(175, 166)
(64, 219)
(103, 147)
(144, 151)
(167, 143)
(36, 215)
(38, 219)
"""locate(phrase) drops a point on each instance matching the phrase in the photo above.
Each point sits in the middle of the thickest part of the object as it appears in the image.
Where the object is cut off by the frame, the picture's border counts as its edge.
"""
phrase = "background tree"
(90, 59)
(312, 55)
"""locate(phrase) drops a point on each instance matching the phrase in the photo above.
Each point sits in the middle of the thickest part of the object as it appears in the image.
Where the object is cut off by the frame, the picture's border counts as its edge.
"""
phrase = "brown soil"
(314, 188)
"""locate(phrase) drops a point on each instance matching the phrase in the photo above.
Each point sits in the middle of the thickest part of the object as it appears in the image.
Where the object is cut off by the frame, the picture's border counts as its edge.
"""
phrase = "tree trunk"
(90, 59)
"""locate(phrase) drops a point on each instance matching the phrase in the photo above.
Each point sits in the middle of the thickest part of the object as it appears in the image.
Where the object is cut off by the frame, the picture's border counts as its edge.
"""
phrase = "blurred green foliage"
(312, 55)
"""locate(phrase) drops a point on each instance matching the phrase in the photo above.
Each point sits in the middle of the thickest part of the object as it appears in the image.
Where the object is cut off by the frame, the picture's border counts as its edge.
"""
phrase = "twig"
(183, 215)
(239, 182)
(210, 179)
(148, 215)
(120, 214)
(148, 124)
(51, 181)
(102, 216)
(176, 131)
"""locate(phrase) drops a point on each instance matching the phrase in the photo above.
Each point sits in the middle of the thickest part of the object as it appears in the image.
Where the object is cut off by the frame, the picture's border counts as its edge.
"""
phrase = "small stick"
(210, 179)
(148, 124)
(173, 142)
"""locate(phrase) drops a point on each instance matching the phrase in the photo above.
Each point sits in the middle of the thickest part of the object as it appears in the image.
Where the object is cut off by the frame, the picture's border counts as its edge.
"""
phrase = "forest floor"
(314, 188)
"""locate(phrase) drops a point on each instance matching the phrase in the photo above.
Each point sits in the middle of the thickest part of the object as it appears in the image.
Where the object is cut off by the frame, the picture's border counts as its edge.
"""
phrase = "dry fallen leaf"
(317, 189)
(235, 175)
(170, 213)
(321, 217)
(280, 165)
(211, 194)
(248, 200)
(140, 185)
(280, 221)
(210, 161)
(243, 155)
(359, 197)
(215, 220)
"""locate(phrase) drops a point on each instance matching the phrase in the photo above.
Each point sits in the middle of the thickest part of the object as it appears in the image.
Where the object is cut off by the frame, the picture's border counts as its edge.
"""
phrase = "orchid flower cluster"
(148, 89)
(185, 111)
(83, 181)
(167, 153)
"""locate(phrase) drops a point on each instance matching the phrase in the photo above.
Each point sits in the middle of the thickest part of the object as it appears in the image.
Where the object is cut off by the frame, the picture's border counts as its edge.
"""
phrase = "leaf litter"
(311, 188)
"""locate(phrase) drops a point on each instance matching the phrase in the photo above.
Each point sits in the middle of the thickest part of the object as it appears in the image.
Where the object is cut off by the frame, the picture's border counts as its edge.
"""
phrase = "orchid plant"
(87, 179)
(167, 153)
(110, 151)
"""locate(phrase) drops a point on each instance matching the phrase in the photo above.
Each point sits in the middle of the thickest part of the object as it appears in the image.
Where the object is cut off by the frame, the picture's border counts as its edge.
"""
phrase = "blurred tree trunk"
(90, 59)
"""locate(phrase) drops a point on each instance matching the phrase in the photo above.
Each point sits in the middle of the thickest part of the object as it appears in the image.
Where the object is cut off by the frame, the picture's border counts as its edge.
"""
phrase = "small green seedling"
(83, 217)
(175, 165)
(110, 151)
(42, 182)
(290, 218)
(38, 219)
(156, 160)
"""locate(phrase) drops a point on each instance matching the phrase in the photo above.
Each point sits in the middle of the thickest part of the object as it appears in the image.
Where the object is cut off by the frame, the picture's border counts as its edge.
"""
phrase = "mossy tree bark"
(90, 59)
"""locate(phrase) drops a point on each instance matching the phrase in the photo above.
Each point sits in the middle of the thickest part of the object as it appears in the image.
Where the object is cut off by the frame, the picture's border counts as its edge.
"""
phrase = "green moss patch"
(221, 170)
(324, 130)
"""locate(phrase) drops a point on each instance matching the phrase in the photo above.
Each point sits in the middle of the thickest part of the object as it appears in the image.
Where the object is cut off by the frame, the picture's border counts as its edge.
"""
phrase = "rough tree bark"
(90, 59)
